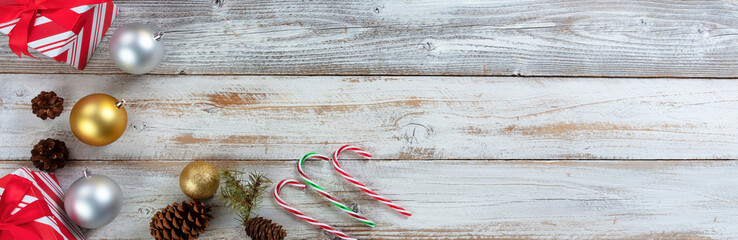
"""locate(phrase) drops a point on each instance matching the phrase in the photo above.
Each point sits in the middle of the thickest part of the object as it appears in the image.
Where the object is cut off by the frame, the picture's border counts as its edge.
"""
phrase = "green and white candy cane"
(324, 193)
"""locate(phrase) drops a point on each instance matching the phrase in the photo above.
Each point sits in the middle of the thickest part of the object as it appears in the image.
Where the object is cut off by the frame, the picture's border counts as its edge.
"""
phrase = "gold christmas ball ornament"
(199, 180)
(98, 119)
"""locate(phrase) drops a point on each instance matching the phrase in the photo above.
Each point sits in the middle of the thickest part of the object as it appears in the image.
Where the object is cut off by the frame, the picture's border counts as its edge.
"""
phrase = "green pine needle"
(240, 195)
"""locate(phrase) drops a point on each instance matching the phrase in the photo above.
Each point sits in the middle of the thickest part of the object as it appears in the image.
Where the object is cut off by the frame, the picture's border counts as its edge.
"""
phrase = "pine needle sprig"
(243, 196)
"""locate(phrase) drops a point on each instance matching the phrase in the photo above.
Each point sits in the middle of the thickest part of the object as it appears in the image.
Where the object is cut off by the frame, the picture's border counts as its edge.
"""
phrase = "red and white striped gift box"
(44, 186)
(63, 44)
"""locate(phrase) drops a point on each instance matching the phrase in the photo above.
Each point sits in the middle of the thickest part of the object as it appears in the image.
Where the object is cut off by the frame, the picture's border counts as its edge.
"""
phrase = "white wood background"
(488, 119)
(653, 38)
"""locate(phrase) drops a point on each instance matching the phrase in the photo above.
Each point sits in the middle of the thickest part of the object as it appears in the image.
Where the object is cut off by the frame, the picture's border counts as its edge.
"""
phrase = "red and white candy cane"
(301, 215)
(361, 186)
(325, 193)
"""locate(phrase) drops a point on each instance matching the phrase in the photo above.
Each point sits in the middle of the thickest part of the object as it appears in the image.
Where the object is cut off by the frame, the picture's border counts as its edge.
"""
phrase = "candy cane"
(325, 194)
(361, 186)
(301, 215)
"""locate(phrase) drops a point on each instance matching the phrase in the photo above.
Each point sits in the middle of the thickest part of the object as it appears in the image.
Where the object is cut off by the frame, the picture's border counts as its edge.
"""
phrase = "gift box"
(32, 207)
(65, 30)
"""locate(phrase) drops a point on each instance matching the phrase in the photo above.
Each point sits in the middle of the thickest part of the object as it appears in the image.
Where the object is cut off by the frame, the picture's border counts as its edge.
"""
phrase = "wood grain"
(623, 38)
(281, 118)
(460, 199)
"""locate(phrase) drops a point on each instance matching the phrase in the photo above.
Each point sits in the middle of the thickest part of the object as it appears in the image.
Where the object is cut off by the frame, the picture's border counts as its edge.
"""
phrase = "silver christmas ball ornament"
(93, 200)
(137, 48)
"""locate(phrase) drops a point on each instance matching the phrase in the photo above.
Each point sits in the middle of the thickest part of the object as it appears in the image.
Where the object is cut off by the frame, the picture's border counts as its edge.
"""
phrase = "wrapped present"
(31, 207)
(65, 30)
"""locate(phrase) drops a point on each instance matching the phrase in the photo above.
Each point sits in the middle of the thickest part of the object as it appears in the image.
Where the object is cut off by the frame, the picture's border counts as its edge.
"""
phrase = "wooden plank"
(461, 199)
(278, 118)
(658, 38)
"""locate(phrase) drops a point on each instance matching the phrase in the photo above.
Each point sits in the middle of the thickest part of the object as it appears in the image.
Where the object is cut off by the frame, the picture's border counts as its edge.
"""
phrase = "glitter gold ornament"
(98, 119)
(199, 180)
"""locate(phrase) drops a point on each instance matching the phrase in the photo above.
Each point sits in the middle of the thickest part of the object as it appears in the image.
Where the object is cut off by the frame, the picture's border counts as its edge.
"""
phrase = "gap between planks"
(518, 76)
(345, 159)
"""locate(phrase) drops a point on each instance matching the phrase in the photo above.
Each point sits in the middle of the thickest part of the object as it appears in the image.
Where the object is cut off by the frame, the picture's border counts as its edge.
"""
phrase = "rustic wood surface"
(631, 38)
(461, 199)
(281, 118)
(456, 100)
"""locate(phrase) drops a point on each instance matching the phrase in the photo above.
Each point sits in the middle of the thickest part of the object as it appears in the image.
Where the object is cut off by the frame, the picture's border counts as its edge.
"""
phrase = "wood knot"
(211, 109)
(146, 210)
(354, 207)
(415, 133)
(428, 46)
(20, 92)
(139, 126)
(704, 31)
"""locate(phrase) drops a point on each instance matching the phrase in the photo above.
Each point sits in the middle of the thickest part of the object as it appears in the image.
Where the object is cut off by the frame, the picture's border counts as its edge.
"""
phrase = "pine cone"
(259, 228)
(47, 104)
(180, 221)
(49, 154)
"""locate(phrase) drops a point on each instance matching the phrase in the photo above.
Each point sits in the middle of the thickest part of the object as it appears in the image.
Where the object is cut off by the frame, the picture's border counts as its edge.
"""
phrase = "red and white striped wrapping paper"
(63, 44)
(45, 186)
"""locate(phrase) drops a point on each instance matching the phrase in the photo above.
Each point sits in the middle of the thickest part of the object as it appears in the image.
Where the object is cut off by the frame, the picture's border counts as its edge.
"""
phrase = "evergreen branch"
(240, 195)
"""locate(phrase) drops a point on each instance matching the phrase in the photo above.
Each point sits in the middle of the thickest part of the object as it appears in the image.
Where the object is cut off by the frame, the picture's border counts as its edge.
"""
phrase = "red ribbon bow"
(27, 10)
(15, 224)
